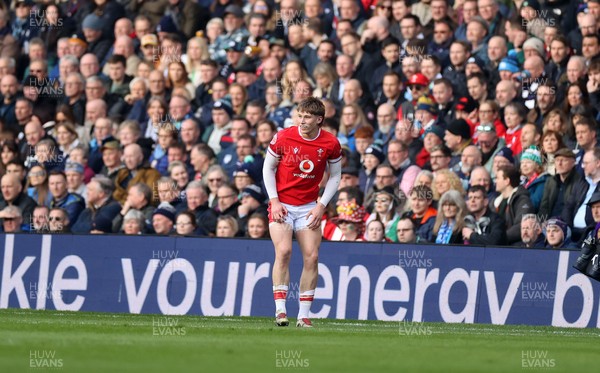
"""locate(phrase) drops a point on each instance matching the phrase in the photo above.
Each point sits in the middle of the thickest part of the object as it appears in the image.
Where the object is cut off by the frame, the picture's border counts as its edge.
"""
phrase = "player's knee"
(284, 255)
(311, 259)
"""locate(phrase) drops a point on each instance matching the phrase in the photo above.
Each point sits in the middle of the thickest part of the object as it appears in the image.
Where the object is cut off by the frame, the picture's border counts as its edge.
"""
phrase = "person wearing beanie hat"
(166, 26)
(466, 108)
(374, 156)
(93, 32)
(533, 174)
(425, 112)
(534, 45)
(507, 68)
(457, 137)
(223, 104)
(75, 176)
(92, 22)
(101, 225)
(376, 151)
(163, 219)
(475, 65)
(507, 155)
(246, 173)
(252, 201)
(558, 234)
(222, 113)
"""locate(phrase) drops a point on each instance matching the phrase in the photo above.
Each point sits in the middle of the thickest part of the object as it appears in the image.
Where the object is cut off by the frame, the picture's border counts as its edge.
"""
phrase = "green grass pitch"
(87, 342)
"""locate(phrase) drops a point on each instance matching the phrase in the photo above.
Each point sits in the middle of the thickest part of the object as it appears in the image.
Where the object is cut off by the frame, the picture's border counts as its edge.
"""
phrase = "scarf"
(445, 232)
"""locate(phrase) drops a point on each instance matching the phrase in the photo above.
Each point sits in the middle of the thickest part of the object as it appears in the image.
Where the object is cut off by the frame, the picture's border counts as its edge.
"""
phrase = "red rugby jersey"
(302, 163)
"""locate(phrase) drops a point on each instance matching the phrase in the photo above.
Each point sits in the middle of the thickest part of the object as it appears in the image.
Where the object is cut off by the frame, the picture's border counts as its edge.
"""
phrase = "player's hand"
(315, 216)
(278, 211)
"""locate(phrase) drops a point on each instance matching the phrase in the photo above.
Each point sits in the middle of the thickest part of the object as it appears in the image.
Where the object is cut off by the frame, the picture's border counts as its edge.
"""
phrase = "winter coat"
(551, 189)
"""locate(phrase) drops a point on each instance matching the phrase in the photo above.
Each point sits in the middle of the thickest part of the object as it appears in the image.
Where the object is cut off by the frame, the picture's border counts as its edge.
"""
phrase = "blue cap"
(508, 64)
(506, 153)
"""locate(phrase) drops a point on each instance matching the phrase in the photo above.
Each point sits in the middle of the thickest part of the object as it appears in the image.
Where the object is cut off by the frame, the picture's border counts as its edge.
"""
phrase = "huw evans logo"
(167, 326)
(531, 291)
(536, 359)
(290, 359)
(44, 359)
(408, 328)
(414, 259)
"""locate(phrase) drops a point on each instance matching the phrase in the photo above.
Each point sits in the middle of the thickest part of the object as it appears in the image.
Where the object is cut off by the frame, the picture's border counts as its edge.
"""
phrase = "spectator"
(374, 156)
(558, 234)
(457, 138)
(12, 219)
(163, 219)
(375, 232)
(227, 226)
(197, 202)
(450, 221)
(39, 220)
(13, 195)
(186, 223)
(202, 158)
(227, 201)
(252, 201)
(440, 156)
(577, 213)
(258, 226)
(558, 188)
(37, 185)
(102, 208)
(513, 202)
(350, 220)
(533, 175)
(406, 230)
(469, 160)
(489, 143)
(402, 165)
(59, 220)
(385, 204)
(179, 174)
(139, 198)
(350, 177)
(215, 178)
(134, 172)
(421, 212)
(133, 222)
(531, 233)
(169, 192)
(482, 226)
(444, 181)
(74, 172)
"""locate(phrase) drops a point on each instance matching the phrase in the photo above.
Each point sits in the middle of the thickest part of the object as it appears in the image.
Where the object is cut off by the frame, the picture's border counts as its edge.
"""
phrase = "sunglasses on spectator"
(485, 128)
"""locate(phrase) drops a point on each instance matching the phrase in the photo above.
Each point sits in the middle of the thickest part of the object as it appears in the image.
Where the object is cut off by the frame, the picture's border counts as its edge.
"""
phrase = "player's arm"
(278, 211)
(335, 176)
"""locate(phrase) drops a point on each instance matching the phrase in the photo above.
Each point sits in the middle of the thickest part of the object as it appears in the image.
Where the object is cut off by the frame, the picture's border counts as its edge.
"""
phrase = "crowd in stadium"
(461, 122)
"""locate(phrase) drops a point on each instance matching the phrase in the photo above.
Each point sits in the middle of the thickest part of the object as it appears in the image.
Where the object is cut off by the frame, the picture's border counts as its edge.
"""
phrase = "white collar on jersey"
(304, 138)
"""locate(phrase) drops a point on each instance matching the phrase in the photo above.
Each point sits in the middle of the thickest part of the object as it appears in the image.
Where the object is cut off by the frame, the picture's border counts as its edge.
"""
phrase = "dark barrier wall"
(217, 277)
